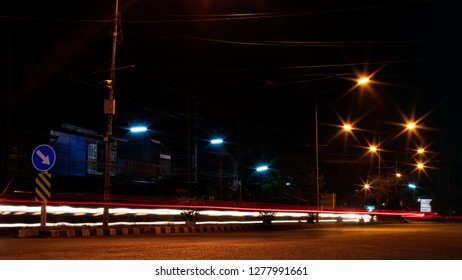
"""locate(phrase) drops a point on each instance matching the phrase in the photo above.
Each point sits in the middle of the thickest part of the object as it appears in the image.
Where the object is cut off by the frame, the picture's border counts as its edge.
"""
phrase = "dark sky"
(250, 70)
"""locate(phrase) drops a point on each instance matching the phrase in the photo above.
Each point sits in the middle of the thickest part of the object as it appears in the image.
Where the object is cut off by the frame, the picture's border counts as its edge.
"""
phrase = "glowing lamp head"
(138, 129)
(347, 127)
(216, 141)
(363, 81)
(262, 168)
(411, 126)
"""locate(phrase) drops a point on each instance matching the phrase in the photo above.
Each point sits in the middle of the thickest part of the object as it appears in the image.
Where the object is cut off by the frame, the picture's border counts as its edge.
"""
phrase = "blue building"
(82, 152)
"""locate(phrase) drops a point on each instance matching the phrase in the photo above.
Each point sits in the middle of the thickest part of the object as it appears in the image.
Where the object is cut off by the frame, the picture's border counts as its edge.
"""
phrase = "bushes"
(267, 218)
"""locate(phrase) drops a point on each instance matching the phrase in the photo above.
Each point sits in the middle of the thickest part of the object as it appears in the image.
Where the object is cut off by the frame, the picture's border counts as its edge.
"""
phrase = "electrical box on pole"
(109, 106)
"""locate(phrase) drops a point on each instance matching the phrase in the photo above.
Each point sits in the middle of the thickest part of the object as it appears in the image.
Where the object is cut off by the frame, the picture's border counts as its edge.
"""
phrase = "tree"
(447, 203)
(388, 191)
(302, 190)
(277, 188)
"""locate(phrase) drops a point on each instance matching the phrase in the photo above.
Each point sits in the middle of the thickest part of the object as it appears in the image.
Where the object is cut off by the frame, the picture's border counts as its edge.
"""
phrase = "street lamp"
(420, 165)
(363, 81)
(261, 168)
(413, 187)
(411, 125)
(360, 82)
(219, 142)
(366, 188)
(216, 141)
(138, 129)
(375, 150)
(347, 127)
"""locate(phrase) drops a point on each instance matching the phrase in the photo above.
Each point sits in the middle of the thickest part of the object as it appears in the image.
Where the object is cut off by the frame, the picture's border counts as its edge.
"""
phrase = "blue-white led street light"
(262, 168)
(138, 129)
(216, 141)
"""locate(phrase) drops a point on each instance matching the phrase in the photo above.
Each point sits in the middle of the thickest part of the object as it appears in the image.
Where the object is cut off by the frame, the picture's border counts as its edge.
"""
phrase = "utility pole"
(109, 111)
(317, 158)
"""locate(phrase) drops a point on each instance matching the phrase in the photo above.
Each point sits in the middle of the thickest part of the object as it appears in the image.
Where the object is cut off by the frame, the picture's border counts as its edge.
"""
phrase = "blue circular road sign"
(43, 157)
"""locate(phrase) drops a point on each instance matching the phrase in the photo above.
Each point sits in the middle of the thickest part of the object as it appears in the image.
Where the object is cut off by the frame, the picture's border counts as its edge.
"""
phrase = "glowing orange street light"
(376, 150)
(347, 127)
(420, 165)
(366, 188)
(411, 125)
(363, 81)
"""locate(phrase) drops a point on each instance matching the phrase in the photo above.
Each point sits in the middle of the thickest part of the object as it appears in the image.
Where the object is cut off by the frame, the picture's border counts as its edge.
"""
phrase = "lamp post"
(360, 82)
(375, 149)
(366, 189)
(317, 158)
(219, 142)
(413, 187)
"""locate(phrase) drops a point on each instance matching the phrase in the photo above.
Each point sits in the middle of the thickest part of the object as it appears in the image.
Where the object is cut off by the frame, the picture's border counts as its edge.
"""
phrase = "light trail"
(172, 215)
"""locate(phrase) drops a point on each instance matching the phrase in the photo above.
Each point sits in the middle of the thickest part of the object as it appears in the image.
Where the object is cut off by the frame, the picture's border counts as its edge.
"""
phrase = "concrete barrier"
(143, 229)
(84, 232)
(135, 231)
(122, 231)
(67, 233)
(110, 231)
(24, 233)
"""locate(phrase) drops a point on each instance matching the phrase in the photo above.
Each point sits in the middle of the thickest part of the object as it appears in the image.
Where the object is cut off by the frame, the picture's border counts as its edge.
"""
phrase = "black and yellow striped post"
(43, 194)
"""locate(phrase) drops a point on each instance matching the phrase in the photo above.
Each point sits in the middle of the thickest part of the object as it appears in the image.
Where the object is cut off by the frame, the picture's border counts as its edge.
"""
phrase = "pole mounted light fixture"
(137, 129)
(216, 141)
(262, 168)
(363, 81)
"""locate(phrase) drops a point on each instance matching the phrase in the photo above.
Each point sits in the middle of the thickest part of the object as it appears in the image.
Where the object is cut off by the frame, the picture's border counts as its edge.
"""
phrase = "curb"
(122, 231)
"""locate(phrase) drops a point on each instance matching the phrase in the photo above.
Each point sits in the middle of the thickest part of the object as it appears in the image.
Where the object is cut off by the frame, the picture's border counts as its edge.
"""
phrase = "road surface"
(396, 241)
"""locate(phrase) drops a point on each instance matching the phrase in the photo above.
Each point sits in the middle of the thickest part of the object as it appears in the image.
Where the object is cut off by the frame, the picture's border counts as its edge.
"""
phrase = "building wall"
(79, 152)
(71, 154)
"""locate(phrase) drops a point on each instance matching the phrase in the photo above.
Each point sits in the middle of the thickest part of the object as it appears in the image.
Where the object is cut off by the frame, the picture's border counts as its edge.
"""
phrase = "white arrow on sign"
(45, 159)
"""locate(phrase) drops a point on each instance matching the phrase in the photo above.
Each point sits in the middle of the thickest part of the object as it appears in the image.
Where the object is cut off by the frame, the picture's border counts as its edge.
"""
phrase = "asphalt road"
(397, 241)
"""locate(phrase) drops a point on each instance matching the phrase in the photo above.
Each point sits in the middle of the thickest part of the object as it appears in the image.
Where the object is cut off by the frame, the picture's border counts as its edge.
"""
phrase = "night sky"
(249, 70)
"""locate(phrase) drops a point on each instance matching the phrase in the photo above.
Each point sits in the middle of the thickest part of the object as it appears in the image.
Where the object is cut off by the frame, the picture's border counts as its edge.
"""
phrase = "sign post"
(43, 159)
(43, 194)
